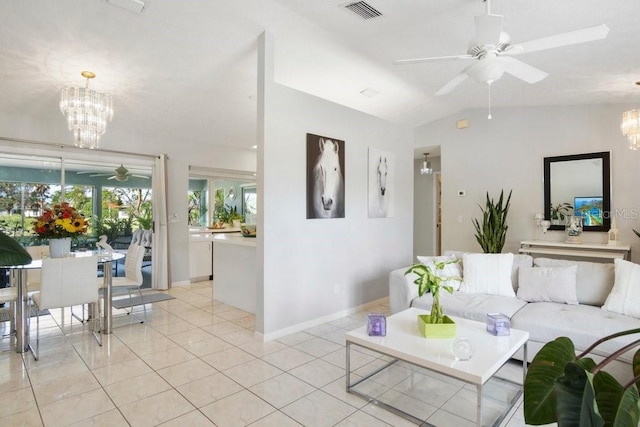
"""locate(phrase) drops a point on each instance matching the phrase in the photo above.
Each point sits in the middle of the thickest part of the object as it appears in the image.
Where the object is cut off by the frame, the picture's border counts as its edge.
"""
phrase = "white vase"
(59, 248)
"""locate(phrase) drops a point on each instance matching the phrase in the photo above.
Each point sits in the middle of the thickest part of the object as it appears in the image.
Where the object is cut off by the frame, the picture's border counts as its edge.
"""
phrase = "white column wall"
(315, 268)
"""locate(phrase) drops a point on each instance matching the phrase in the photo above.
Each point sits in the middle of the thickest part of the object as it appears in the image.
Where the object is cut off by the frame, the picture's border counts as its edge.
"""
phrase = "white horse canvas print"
(381, 183)
(325, 177)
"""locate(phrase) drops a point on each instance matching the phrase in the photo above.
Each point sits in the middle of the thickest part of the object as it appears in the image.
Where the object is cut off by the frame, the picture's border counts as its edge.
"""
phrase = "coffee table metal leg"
(479, 406)
(348, 366)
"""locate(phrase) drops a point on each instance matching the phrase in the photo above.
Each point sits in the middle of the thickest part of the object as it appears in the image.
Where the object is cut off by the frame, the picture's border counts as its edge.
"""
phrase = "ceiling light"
(630, 127)
(87, 111)
(426, 168)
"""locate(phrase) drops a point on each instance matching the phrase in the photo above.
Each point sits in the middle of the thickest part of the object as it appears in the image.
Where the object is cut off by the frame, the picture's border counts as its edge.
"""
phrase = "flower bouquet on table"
(60, 221)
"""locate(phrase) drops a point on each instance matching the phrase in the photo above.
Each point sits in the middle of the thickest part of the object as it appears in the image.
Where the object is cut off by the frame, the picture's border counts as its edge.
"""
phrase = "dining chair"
(65, 282)
(9, 295)
(33, 274)
(132, 279)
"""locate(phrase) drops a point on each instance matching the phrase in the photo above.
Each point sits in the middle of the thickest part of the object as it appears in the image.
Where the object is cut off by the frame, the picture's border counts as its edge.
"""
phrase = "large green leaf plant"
(429, 281)
(11, 252)
(492, 233)
(574, 391)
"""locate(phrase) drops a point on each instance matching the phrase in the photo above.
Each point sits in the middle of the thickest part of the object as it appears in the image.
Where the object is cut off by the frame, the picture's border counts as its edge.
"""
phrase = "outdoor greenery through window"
(112, 207)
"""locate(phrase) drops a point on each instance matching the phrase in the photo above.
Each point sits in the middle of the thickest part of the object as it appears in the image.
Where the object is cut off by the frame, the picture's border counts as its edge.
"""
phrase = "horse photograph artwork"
(325, 177)
(381, 183)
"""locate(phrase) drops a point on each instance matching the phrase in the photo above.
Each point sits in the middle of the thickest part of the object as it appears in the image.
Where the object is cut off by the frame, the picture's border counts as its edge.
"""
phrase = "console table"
(582, 250)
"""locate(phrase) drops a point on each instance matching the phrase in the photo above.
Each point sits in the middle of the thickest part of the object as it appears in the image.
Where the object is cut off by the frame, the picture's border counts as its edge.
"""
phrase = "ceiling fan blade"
(565, 39)
(523, 71)
(453, 83)
(112, 177)
(432, 59)
(99, 174)
(488, 28)
(139, 176)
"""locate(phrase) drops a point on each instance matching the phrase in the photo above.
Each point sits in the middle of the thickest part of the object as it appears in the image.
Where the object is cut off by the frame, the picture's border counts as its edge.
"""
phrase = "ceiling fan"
(492, 51)
(120, 174)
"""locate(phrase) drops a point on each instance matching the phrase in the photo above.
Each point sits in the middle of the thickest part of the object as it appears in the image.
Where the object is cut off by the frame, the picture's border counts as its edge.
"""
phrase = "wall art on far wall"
(325, 177)
(381, 183)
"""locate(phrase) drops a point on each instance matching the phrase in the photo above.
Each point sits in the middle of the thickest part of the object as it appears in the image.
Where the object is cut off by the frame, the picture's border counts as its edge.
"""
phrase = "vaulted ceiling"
(187, 69)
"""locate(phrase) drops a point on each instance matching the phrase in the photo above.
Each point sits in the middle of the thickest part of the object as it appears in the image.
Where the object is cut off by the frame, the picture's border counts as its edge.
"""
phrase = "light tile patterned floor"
(195, 362)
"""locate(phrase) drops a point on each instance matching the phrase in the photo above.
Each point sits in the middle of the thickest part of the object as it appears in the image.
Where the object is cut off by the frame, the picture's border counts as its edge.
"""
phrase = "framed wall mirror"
(578, 185)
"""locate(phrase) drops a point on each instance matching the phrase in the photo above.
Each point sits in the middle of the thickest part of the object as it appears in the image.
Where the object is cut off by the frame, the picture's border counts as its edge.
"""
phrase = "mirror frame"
(606, 187)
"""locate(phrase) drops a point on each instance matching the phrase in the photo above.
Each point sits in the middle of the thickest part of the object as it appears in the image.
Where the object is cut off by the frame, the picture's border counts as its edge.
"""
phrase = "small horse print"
(380, 184)
(327, 182)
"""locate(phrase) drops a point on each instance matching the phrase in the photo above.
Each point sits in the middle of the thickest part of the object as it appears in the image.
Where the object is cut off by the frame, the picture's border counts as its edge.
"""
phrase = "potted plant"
(491, 235)
(435, 324)
(11, 252)
(560, 212)
(575, 391)
(59, 224)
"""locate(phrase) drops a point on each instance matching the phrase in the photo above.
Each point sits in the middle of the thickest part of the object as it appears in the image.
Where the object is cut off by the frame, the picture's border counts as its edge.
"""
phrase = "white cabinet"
(200, 260)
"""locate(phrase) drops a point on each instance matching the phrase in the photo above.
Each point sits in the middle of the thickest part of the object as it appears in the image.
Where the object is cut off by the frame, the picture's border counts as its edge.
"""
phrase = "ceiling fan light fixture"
(630, 128)
(87, 111)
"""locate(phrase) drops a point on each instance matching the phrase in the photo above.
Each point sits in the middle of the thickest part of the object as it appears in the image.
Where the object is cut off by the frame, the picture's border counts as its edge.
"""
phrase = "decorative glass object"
(573, 229)
(462, 349)
(376, 325)
(498, 324)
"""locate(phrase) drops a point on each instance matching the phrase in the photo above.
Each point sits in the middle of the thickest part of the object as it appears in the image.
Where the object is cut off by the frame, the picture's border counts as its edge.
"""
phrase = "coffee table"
(404, 342)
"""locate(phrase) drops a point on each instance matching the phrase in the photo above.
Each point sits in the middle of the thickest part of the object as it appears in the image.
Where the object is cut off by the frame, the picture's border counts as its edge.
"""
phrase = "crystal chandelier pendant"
(630, 128)
(87, 111)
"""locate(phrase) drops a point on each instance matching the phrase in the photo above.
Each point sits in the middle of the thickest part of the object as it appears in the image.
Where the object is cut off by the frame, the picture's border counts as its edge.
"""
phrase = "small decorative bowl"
(248, 230)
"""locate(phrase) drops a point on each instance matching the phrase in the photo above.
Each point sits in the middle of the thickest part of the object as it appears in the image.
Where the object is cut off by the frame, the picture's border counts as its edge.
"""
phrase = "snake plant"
(492, 233)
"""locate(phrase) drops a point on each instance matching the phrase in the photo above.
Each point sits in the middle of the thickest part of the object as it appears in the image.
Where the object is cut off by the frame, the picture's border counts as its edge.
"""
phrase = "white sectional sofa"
(562, 307)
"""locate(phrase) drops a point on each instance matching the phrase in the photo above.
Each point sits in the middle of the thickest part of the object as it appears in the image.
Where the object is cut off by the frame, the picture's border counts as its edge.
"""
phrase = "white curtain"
(159, 253)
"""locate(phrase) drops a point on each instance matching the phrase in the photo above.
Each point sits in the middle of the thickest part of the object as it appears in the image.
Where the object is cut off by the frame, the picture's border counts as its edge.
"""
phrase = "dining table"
(18, 278)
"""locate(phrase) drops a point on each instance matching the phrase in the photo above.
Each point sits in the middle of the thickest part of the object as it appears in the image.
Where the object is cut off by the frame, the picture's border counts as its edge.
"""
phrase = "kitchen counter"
(234, 270)
(235, 239)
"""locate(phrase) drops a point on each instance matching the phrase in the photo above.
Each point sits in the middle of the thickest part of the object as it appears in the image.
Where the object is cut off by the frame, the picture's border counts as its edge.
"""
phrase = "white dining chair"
(66, 282)
(9, 295)
(132, 280)
(33, 274)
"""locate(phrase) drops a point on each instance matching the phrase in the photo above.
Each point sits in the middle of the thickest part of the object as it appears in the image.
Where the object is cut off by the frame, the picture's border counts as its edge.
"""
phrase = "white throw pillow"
(625, 295)
(488, 274)
(449, 270)
(594, 280)
(548, 284)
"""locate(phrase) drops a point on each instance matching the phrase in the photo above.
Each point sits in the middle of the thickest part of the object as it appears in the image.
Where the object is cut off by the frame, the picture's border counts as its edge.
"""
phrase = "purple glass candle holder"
(376, 325)
(498, 324)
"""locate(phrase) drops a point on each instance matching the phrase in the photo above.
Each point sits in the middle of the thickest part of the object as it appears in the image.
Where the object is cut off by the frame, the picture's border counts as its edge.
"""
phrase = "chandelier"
(630, 127)
(87, 111)
(426, 166)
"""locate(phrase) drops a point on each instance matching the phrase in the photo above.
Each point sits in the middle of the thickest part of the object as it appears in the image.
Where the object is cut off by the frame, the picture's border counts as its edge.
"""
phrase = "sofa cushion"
(519, 260)
(625, 295)
(548, 284)
(449, 270)
(488, 274)
(594, 280)
(584, 324)
(471, 306)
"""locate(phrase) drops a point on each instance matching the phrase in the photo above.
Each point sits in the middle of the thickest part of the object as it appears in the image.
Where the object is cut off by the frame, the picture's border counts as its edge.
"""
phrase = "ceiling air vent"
(363, 10)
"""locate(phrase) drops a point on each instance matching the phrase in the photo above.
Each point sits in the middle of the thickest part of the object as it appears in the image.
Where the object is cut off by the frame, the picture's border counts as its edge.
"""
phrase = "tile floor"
(195, 362)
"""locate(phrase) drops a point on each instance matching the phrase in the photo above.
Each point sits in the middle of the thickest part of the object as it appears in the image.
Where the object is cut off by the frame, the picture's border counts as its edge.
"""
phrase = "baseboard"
(180, 283)
(318, 321)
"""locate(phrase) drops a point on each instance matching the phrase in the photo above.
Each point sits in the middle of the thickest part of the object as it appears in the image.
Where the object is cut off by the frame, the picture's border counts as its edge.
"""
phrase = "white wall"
(507, 153)
(309, 269)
